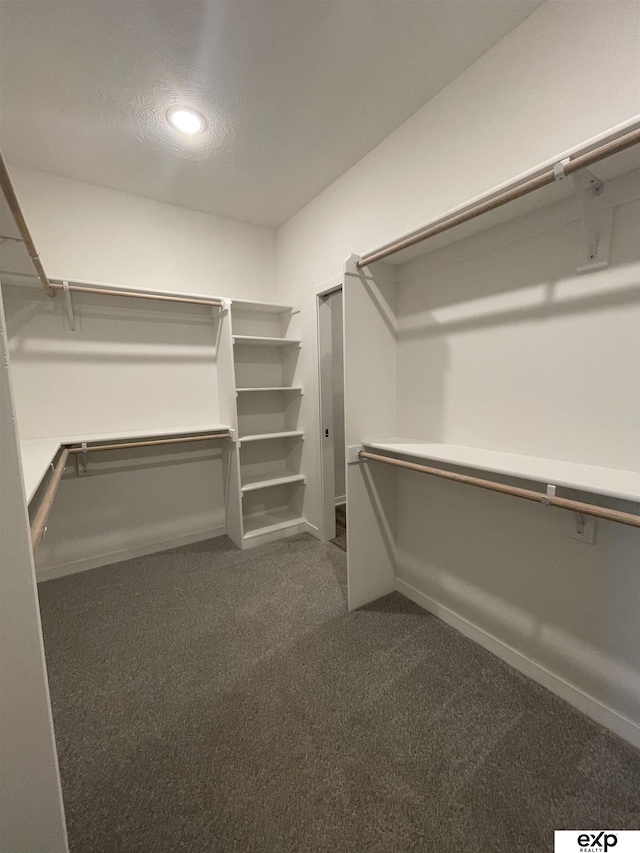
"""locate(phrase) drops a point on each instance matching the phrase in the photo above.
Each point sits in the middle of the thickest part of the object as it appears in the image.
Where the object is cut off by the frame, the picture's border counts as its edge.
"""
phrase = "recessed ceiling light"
(186, 121)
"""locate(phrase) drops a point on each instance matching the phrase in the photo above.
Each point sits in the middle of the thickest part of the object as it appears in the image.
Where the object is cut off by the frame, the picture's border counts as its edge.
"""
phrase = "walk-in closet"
(319, 426)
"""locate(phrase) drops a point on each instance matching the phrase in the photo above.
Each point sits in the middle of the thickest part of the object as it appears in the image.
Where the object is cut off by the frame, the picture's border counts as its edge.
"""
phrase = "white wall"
(95, 234)
(31, 812)
(134, 502)
(566, 74)
(501, 345)
(129, 365)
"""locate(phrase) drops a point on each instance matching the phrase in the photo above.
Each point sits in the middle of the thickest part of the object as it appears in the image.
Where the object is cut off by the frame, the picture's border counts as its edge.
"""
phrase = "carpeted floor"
(211, 700)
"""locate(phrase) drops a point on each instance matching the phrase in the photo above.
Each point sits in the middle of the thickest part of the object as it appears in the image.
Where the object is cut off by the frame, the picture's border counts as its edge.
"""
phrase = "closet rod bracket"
(353, 454)
(551, 493)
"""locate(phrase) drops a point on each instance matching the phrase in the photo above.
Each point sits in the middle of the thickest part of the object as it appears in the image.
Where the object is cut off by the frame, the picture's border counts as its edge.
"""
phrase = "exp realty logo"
(590, 842)
(597, 841)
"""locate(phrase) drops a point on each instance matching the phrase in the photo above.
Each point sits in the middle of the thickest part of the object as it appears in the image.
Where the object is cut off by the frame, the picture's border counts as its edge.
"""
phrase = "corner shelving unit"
(266, 464)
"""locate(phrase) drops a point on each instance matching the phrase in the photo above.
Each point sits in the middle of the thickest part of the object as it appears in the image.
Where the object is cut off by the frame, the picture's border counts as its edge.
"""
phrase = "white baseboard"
(126, 554)
(341, 500)
(609, 718)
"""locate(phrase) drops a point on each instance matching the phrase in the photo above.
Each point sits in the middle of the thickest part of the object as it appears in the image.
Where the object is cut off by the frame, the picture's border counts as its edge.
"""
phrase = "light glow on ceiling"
(186, 120)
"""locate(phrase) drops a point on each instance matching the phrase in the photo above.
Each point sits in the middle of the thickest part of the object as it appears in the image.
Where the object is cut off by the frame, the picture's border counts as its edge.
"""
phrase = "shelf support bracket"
(587, 187)
(596, 217)
(68, 305)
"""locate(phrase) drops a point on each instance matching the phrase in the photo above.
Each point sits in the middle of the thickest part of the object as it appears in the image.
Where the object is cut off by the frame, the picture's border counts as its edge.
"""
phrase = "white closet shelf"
(606, 170)
(294, 389)
(265, 307)
(126, 435)
(270, 522)
(609, 482)
(266, 435)
(282, 480)
(38, 453)
(258, 340)
(32, 283)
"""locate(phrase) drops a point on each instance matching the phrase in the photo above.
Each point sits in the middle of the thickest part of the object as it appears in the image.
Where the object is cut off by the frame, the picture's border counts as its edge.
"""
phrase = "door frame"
(326, 462)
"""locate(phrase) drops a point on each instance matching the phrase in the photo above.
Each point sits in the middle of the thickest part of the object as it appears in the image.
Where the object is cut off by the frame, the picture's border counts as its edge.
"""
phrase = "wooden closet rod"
(527, 494)
(574, 164)
(137, 294)
(151, 443)
(39, 524)
(14, 206)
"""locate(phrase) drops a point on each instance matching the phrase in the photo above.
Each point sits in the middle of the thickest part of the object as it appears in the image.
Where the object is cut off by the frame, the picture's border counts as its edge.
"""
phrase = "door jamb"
(325, 525)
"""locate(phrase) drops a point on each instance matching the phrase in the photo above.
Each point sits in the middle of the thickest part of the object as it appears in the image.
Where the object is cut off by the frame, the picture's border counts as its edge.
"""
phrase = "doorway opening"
(332, 430)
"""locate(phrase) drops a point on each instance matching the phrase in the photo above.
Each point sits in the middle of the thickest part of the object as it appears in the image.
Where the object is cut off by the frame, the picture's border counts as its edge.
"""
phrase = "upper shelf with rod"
(14, 230)
(68, 287)
(615, 152)
(132, 293)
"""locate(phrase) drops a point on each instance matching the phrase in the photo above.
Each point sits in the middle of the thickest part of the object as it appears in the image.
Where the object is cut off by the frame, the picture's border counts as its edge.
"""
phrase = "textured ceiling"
(294, 91)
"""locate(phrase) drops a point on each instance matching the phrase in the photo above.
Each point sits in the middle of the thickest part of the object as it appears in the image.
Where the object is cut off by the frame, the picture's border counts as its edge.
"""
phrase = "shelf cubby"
(269, 460)
(249, 306)
(272, 411)
(265, 366)
(268, 510)
(261, 319)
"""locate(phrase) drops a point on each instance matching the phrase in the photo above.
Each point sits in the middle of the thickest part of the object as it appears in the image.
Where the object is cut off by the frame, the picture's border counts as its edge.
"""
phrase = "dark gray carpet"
(208, 699)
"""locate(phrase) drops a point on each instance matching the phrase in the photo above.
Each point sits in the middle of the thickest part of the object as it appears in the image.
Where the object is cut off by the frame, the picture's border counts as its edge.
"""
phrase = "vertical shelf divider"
(229, 414)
